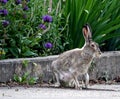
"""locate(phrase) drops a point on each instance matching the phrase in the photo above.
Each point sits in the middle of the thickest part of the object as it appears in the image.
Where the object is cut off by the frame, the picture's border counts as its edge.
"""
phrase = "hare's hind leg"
(57, 83)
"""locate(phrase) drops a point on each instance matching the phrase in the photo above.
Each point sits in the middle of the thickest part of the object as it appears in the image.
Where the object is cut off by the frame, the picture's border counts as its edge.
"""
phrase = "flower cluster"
(18, 2)
(25, 7)
(48, 45)
(4, 12)
(42, 26)
(5, 23)
(46, 19)
(4, 1)
(18, 23)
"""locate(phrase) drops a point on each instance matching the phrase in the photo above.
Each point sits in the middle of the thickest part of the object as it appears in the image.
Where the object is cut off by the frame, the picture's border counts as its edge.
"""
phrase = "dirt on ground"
(44, 84)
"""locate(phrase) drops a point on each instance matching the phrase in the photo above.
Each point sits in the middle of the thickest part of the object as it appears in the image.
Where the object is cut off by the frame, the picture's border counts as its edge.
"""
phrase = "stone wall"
(108, 65)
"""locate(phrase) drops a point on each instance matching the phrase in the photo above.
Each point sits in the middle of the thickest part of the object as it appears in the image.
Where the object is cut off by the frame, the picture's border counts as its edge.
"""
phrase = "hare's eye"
(93, 45)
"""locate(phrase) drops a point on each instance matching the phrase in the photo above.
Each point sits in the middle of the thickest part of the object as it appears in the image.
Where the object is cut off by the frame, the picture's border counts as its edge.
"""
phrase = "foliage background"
(23, 38)
(102, 15)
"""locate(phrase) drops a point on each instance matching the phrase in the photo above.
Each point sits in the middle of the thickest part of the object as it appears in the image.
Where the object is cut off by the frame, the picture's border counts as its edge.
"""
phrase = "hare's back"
(70, 53)
(68, 58)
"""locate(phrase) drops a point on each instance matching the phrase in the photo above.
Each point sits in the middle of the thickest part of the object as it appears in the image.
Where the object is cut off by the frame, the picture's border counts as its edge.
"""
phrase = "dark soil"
(43, 84)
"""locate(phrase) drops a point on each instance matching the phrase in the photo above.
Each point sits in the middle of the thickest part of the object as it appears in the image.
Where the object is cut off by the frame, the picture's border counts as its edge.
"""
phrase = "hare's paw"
(79, 87)
(56, 84)
(76, 84)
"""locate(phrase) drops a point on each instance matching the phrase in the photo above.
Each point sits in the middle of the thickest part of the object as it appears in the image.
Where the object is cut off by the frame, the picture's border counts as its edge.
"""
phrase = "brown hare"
(70, 64)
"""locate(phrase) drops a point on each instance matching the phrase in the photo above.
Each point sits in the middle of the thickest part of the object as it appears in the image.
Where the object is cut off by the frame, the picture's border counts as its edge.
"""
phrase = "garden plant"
(32, 28)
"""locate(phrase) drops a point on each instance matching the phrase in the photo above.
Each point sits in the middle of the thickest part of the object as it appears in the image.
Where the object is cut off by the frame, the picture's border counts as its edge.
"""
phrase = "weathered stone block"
(108, 65)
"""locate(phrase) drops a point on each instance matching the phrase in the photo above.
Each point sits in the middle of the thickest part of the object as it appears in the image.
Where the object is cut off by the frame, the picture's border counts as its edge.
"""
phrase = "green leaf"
(32, 80)
(26, 41)
(17, 78)
(25, 63)
(25, 77)
(15, 51)
(106, 37)
(29, 53)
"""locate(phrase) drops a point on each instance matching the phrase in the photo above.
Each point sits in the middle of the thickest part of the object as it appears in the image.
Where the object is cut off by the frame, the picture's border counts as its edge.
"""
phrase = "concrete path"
(94, 92)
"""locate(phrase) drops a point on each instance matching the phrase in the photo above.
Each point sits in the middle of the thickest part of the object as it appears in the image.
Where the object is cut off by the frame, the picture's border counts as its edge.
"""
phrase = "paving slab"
(94, 92)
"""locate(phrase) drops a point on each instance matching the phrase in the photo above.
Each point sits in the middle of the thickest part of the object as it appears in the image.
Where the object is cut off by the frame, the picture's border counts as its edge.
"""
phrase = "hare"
(70, 64)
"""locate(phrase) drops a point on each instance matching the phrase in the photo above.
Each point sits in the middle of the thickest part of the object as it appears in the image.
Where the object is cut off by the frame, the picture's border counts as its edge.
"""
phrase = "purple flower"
(24, 16)
(4, 1)
(4, 12)
(25, 8)
(5, 23)
(18, 2)
(48, 45)
(47, 18)
(42, 26)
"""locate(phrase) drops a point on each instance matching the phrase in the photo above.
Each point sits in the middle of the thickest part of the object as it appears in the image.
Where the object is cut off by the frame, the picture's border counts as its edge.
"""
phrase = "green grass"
(102, 15)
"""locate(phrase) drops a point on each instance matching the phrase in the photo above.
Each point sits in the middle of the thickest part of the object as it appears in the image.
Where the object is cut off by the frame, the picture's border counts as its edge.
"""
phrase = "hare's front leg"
(77, 85)
(86, 80)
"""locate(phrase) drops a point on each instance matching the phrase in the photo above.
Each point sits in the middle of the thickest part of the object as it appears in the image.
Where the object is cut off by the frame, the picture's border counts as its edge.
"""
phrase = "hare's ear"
(87, 33)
